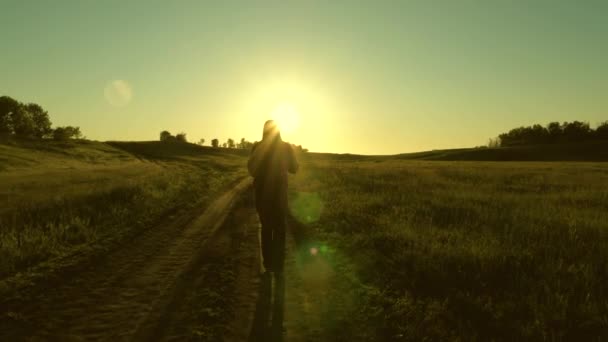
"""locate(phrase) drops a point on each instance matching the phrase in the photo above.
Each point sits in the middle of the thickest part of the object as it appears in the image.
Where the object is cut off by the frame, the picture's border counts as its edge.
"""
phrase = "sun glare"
(286, 116)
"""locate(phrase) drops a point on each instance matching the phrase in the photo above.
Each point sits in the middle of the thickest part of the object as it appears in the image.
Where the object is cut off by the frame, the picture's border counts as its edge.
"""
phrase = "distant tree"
(224, 145)
(554, 130)
(576, 131)
(22, 122)
(244, 144)
(201, 142)
(31, 120)
(567, 132)
(215, 142)
(230, 143)
(74, 132)
(41, 120)
(165, 136)
(181, 137)
(8, 105)
(494, 142)
(601, 132)
(66, 133)
(537, 134)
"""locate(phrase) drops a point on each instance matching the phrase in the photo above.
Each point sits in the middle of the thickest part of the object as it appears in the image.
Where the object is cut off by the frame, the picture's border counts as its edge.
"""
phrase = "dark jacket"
(269, 163)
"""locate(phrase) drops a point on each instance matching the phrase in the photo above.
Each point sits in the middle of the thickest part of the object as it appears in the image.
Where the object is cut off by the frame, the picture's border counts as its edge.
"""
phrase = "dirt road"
(194, 278)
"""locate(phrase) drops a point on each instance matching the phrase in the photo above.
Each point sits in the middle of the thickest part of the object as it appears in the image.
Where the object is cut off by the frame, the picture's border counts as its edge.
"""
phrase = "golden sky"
(372, 77)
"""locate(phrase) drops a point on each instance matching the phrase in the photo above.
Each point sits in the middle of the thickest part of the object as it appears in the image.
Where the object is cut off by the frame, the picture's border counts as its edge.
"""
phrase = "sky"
(368, 77)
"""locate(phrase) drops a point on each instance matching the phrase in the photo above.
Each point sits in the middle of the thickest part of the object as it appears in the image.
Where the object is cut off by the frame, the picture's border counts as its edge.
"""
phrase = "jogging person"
(270, 161)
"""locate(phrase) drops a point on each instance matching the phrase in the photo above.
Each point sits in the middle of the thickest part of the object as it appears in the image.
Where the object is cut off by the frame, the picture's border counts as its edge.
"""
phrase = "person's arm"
(292, 162)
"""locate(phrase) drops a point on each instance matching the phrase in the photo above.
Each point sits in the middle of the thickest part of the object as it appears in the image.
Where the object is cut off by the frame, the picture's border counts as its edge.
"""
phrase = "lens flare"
(118, 93)
(306, 207)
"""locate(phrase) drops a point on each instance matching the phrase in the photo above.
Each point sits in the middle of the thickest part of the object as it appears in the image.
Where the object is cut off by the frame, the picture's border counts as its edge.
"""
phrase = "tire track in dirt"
(215, 302)
(120, 298)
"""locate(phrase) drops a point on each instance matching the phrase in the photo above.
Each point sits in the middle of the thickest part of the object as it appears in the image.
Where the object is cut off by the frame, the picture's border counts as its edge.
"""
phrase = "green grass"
(462, 250)
(57, 198)
(427, 250)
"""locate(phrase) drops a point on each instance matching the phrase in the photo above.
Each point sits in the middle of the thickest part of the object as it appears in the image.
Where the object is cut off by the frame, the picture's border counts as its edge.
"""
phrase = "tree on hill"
(165, 136)
(181, 137)
(230, 143)
(576, 131)
(215, 143)
(494, 142)
(30, 120)
(22, 122)
(554, 132)
(244, 144)
(601, 132)
(41, 120)
(66, 133)
(8, 106)
(201, 142)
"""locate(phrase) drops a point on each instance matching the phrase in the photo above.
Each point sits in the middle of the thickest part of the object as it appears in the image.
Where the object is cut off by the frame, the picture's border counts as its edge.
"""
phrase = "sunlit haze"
(359, 77)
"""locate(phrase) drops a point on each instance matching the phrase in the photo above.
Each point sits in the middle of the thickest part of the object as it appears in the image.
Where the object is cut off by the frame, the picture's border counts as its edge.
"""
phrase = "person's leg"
(266, 239)
(278, 240)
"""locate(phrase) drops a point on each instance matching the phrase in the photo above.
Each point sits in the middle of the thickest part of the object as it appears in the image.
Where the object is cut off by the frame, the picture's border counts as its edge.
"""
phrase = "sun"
(286, 116)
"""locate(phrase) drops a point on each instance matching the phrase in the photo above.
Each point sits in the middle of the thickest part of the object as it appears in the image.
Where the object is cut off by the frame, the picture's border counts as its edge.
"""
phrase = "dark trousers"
(273, 235)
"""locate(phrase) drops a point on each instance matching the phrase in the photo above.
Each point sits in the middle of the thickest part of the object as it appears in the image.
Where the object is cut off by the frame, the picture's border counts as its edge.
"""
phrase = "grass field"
(423, 250)
(461, 250)
(59, 197)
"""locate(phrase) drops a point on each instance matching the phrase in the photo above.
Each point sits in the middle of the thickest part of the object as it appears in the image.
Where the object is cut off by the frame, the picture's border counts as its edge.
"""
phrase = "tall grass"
(43, 225)
(467, 251)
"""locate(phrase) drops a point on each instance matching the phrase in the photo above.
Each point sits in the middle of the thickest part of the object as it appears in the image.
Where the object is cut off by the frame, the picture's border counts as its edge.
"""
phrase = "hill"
(587, 151)
(51, 192)
(57, 187)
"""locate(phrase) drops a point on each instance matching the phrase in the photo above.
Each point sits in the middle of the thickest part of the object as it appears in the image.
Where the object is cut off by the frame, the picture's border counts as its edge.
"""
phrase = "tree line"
(166, 136)
(32, 121)
(552, 133)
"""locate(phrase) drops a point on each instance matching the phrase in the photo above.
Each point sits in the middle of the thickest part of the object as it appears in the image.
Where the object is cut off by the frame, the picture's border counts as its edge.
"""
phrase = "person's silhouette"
(270, 161)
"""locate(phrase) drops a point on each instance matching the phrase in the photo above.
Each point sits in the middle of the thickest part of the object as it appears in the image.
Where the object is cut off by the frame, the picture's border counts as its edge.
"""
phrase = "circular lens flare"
(118, 93)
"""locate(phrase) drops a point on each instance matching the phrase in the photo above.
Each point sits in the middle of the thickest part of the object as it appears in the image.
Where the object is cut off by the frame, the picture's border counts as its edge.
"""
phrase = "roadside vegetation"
(459, 250)
(59, 198)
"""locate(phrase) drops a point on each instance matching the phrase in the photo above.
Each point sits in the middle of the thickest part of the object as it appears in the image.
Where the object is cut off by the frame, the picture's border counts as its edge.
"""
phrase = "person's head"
(271, 131)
